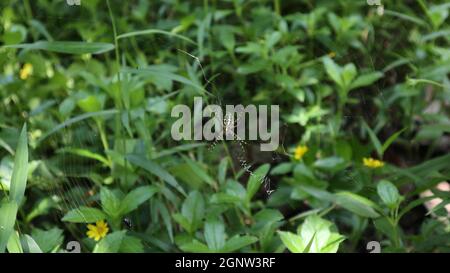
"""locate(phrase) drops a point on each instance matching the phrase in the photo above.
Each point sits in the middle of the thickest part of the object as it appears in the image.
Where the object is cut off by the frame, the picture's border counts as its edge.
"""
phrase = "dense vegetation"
(86, 152)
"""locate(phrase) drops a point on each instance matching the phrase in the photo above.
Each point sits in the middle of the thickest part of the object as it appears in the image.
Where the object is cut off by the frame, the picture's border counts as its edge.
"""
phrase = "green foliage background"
(352, 81)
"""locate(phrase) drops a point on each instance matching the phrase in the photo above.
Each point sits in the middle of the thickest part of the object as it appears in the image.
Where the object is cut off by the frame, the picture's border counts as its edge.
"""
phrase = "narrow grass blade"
(153, 31)
(20, 171)
(77, 119)
(76, 48)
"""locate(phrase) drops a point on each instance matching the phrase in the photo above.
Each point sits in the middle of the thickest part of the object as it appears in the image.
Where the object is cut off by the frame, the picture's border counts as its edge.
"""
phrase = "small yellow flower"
(26, 71)
(300, 151)
(97, 231)
(332, 54)
(372, 163)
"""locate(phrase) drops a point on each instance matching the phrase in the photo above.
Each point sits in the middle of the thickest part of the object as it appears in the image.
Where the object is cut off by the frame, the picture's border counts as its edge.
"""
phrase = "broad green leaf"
(131, 244)
(315, 235)
(330, 163)
(67, 47)
(356, 204)
(199, 171)
(155, 169)
(252, 67)
(84, 215)
(111, 243)
(255, 180)
(136, 197)
(14, 244)
(195, 247)
(215, 234)
(193, 209)
(333, 70)
(388, 193)
(90, 104)
(292, 241)
(308, 246)
(237, 242)
(20, 171)
(110, 202)
(282, 168)
(348, 73)
(8, 213)
(366, 79)
(182, 221)
(29, 245)
(48, 239)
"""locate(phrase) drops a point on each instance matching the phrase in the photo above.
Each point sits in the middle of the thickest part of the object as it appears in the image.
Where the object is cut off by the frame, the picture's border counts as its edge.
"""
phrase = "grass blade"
(154, 31)
(76, 48)
(20, 171)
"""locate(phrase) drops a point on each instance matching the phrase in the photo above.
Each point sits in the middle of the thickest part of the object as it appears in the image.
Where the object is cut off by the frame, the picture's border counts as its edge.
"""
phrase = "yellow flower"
(372, 163)
(97, 231)
(300, 151)
(332, 54)
(26, 71)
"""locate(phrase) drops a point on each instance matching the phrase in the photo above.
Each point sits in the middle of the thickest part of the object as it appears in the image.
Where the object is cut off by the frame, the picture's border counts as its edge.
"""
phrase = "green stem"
(118, 131)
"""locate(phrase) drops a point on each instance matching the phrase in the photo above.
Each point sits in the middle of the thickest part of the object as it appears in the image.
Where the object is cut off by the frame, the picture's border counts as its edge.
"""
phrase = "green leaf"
(29, 245)
(164, 212)
(199, 171)
(84, 215)
(195, 246)
(131, 244)
(8, 213)
(388, 193)
(136, 197)
(214, 234)
(193, 209)
(348, 74)
(14, 244)
(111, 243)
(155, 169)
(67, 47)
(237, 242)
(375, 141)
(154, 31)
(330, 163)
(20, 171)
(333, 70)
(48, 240)
(110, 203)
(90, 104)
(256, 180)
(308, 246)
(253, 67)
(391, 139)
(292, 241)
(366, 79)
(356, 204)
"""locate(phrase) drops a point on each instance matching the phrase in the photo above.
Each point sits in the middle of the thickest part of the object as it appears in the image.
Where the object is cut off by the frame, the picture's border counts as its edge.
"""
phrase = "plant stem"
(118, 131)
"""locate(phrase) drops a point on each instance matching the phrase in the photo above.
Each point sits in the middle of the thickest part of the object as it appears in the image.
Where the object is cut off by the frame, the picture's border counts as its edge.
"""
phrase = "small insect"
(127, 223)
